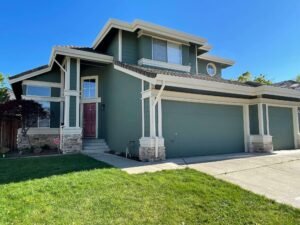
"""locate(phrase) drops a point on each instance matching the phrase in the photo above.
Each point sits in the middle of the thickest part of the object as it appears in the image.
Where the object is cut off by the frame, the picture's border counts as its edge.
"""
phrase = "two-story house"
(157, 92)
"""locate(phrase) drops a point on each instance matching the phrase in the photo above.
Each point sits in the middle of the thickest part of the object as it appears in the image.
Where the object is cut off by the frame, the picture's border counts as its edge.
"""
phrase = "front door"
(89, 120)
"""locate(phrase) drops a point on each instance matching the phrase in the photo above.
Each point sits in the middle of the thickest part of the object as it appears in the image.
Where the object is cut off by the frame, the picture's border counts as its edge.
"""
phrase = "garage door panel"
(281, 127)
(192, 129)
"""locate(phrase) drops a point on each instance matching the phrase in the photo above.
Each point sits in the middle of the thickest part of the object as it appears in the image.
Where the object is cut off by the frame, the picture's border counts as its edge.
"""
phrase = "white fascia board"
(205, 47)
(135, 74)
(216, 59)
(192, 83)
(83, 55)
(29, 75)
(66, 52)
(142, 25)
(111, 23)
(271, 90)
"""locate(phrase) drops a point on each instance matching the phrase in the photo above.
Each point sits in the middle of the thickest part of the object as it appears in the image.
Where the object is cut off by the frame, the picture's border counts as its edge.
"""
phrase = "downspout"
(154, 104)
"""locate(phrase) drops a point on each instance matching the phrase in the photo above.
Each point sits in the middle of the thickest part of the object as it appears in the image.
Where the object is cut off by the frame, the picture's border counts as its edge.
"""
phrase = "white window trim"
(155, 63)
(168, 41)
(41, 83)
(214, 66)
(95, 100)
(96, 84)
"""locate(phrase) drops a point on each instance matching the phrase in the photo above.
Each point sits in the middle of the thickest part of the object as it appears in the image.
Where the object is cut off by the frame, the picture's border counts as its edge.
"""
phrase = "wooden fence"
(8, 133)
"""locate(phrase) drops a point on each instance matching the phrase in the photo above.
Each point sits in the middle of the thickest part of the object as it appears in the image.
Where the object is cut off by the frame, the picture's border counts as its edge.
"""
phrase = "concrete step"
(94, 144)
(93, 141)
(103, 148)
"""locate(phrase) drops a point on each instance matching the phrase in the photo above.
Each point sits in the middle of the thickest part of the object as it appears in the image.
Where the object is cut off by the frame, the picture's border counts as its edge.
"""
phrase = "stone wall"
(72, 143)
(260, 144)
(148, 154)
(36, 140)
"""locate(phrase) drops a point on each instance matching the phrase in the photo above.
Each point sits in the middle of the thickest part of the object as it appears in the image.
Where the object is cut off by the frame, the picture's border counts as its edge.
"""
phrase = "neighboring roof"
(226, 62)
(153, 72)
(146, 26)
(288, 84)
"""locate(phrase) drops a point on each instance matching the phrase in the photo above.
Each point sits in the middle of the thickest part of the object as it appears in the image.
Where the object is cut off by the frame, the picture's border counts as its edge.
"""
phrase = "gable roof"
(85, 53)
(146, 26)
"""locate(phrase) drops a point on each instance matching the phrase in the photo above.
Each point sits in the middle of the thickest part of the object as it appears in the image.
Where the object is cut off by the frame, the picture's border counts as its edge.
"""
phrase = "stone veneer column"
(261, 143)
(71, 132)
(153, 148)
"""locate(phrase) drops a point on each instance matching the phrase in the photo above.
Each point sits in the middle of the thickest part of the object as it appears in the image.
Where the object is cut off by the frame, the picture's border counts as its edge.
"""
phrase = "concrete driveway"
(276, 176)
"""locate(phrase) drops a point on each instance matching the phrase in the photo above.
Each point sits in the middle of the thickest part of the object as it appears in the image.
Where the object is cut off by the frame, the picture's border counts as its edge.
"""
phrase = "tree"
(262, 79)
(298, 78)
(4, 96)
(245, 77)
(259, 79)
(27, 111)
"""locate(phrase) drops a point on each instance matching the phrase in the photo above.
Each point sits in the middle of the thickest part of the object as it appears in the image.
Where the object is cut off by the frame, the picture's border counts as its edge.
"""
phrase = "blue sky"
(261, 36)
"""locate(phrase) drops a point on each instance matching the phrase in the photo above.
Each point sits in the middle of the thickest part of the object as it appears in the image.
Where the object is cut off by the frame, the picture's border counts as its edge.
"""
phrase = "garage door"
(281, 127)
(194, 129)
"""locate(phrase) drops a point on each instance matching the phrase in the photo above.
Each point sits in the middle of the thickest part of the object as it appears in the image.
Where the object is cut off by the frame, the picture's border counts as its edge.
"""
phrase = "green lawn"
(76, 189)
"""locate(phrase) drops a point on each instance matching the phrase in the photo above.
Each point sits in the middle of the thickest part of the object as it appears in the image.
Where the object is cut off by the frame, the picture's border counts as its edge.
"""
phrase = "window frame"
(38, 86)
(96, 87)
(214, 67)
(38, 118)
(168, 42)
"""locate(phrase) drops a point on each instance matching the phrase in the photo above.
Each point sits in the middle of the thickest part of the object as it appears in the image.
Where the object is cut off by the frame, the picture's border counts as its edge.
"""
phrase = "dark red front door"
(89, 120)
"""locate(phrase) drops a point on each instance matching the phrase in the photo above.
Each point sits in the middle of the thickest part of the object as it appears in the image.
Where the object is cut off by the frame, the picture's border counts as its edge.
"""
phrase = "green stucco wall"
(265, 119)
(54, 114)
(129, 47)
(73, 74)
(253, 119)
(122, 113)
(192, 129)
(113, 46)
(192, 58)
(281, 127)
(202, 67)
(72, 113)
(185, 55)
(145, 47)
(55, 92)
(51, 76)
(146, 117)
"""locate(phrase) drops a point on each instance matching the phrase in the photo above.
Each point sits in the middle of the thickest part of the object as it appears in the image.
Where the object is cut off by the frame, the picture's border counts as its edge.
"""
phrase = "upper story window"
(89, 88)
(166, 51)
(211, 69)
(38, 91)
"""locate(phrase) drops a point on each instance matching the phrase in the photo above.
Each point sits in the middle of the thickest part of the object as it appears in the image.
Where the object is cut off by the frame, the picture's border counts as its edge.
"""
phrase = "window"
(45, 122)
(89, 88)
(38, 91)
(211, 69)
(167, 51)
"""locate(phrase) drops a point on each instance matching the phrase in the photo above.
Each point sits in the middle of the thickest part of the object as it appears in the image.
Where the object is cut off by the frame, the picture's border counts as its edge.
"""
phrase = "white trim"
(67, 94)
(206, 47)
(260, 119)
(267, 119)
(60, 66)
(155, 63)
(29, 75)
(296, 126)
(42, 130)
(78, 90)
(42, 98)
(246, 127)
(196, 63)
(214, 67)
(41, 83)
(120, 45)
(90, 100)
(72, 130)
(143, 110)
(159, 111)
(217, 59)
(134, 74)
(96, 86)
(71, 93)
(75, 53)
(149, 27)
